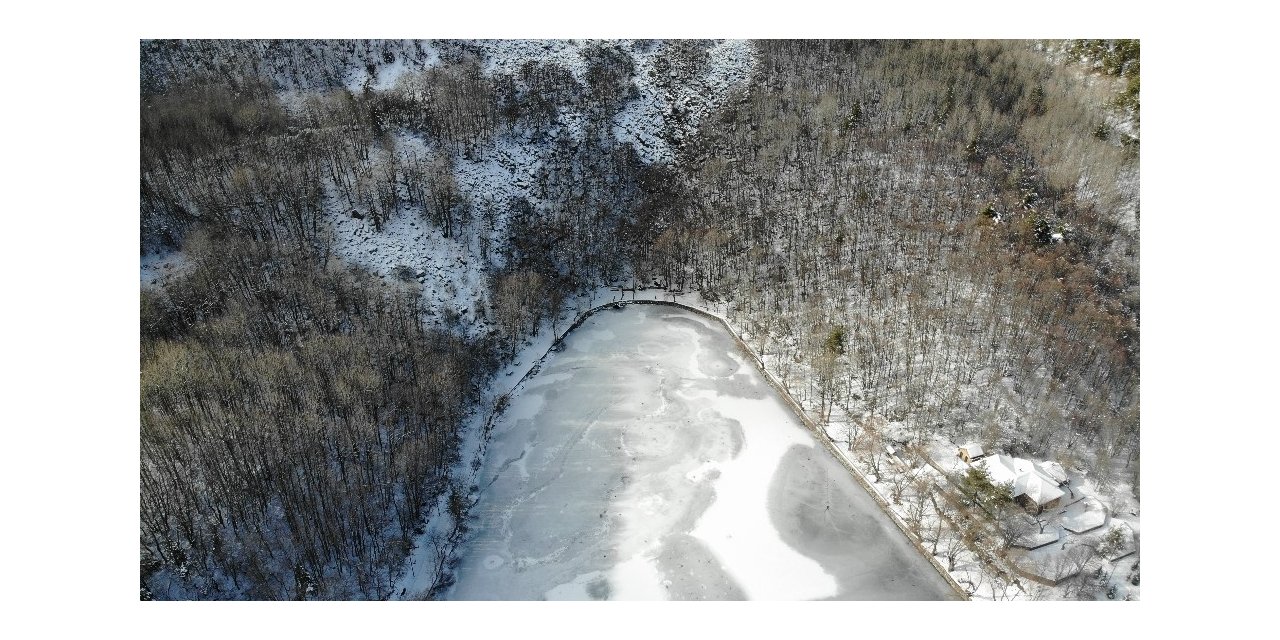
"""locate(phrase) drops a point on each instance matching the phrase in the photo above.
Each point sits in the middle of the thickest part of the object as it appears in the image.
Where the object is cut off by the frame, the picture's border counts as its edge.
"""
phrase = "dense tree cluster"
(296, 422)
(297, 417)
(1119, 58)
(930, 197)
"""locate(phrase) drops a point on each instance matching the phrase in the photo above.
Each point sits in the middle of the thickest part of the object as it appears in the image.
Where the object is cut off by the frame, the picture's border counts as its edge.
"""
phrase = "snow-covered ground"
(385, 74)
(507, 56)
(649, 460)
(451, 274)
(674, 106)
(157, 267)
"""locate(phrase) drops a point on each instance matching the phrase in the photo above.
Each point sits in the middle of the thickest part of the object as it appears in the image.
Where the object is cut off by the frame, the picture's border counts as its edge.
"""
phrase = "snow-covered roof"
(1001, 468)
(974, 450)
(1038, 488)
(1053, 470)
(1025, 476)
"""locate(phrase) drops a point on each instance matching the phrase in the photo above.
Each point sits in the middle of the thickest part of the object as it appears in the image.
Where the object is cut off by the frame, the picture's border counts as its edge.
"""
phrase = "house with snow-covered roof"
(1031, 486)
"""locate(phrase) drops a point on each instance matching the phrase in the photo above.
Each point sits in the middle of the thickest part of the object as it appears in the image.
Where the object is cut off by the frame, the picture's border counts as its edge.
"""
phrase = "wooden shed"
(971, 452)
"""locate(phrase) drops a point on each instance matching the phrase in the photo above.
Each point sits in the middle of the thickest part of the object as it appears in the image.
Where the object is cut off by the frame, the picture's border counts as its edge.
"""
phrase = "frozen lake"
(650, 460)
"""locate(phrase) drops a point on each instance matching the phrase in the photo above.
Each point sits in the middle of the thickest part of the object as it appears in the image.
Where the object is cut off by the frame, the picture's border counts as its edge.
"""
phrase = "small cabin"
(971, 452)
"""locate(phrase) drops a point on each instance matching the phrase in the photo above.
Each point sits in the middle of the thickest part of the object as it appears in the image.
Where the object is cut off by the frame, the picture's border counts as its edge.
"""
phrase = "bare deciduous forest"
(941, 234)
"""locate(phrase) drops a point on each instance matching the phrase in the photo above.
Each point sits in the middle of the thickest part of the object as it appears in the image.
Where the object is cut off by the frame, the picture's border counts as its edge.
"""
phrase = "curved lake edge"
(501, 402)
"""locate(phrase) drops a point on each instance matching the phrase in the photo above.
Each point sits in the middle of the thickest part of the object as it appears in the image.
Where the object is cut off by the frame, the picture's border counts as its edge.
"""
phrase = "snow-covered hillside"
(670, 105)
(667, 108)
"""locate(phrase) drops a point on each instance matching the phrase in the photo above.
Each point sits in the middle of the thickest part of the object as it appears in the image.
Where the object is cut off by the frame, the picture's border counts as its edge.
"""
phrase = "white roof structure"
(1038, 488)
(1001, 468)
(1026, 477)
(1053, 470)
(974, 450)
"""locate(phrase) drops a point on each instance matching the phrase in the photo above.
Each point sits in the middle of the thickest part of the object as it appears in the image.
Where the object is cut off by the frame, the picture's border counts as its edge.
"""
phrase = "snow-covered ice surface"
(649, 460)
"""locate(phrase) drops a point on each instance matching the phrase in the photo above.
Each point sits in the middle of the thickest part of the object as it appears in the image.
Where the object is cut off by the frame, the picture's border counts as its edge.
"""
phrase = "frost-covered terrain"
(648, 460)
(156, 268)
(675, 103)
(670, 101)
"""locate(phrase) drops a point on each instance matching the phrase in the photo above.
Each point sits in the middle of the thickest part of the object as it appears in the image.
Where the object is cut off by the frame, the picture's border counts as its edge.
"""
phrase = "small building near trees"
(971, 452)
